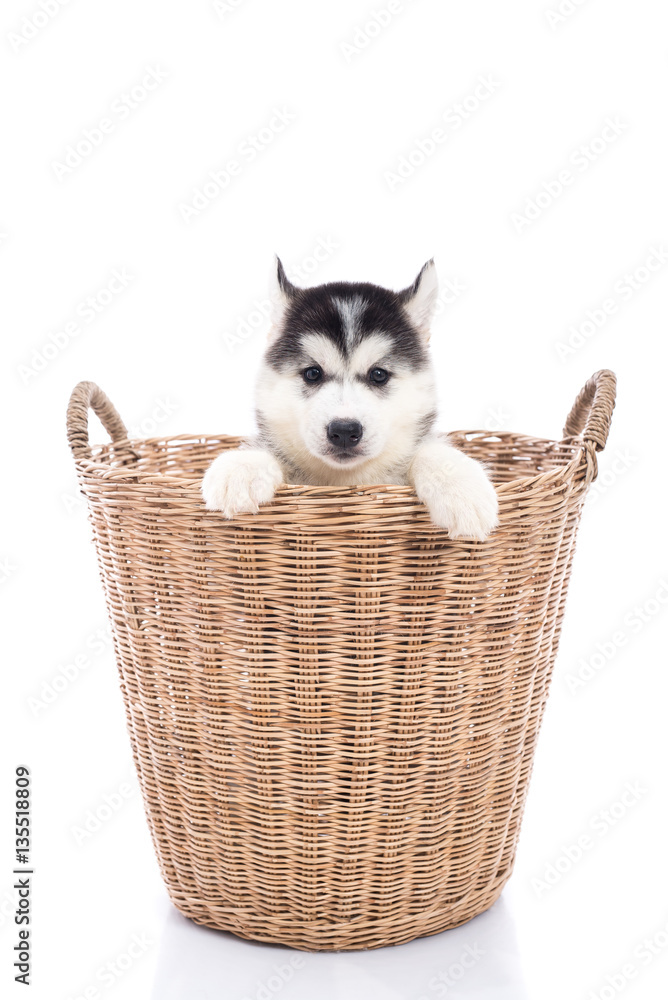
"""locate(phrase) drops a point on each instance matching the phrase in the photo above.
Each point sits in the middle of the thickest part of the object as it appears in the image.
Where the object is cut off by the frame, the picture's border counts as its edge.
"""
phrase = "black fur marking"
(425, 424)
(262, 426)
(310, 388)
(382, 388)
(313, 310)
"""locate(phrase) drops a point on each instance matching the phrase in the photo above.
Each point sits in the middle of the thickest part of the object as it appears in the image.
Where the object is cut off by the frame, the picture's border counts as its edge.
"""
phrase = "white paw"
(458, 495)
(238, 481)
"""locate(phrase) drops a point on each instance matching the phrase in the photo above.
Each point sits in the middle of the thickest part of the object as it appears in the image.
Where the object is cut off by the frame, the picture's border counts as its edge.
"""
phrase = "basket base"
(345, 935)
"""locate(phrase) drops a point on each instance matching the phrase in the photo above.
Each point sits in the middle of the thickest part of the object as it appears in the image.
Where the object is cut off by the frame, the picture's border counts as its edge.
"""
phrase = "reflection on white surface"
(478, 961)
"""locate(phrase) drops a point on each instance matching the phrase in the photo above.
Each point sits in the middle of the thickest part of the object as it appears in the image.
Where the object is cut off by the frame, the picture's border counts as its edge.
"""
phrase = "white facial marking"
(324, 353)
(351, 312)
(374, 351)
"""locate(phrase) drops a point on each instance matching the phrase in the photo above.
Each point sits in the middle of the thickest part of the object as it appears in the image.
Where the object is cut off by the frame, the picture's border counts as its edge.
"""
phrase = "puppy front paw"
(237, 482)
(459, 496)
(466, 513)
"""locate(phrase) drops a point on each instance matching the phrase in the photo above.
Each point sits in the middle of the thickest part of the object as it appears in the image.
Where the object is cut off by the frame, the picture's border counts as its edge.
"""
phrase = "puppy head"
(346, 379)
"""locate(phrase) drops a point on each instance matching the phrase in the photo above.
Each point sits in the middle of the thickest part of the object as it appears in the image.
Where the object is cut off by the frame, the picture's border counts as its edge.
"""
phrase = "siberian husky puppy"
(345, 396)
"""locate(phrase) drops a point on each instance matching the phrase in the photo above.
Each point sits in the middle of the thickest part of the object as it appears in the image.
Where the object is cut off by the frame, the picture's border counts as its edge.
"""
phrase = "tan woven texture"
(333, 707)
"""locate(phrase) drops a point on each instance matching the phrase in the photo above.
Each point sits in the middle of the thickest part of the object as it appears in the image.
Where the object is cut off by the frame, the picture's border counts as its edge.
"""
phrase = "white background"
(161, 350)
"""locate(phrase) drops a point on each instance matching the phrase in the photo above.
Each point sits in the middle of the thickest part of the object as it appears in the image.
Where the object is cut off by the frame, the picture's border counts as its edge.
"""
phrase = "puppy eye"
(313, 374)
(378, 376)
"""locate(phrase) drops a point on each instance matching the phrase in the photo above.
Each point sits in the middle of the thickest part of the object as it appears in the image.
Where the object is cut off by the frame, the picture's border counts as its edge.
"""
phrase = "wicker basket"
(333, 706)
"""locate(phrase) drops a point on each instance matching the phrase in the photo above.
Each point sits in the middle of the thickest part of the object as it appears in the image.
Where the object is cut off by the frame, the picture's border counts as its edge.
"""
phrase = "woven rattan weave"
(333, 706)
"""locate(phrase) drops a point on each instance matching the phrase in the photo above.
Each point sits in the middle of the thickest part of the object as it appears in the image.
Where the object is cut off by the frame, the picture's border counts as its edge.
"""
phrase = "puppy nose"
(344, 433)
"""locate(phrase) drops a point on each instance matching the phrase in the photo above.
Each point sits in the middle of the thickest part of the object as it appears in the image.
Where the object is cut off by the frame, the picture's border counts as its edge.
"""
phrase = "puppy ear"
(285, 286)
(283, 294)
(419, 299)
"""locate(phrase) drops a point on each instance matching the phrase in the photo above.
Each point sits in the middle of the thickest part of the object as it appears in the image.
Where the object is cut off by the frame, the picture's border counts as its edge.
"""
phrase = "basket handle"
(85, 395)
(591, 414)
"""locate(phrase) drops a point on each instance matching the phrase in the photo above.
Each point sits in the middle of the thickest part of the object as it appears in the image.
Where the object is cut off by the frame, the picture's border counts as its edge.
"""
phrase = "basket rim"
(94, 468)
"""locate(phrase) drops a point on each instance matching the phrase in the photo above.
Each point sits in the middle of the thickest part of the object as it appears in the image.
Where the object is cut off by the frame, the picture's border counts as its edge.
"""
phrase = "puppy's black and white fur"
(346, 396)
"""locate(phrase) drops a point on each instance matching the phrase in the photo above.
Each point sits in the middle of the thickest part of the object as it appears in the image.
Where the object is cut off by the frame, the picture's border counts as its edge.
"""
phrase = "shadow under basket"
(333, 706)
